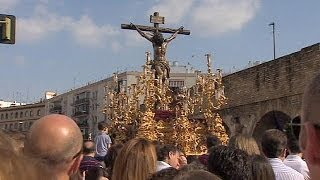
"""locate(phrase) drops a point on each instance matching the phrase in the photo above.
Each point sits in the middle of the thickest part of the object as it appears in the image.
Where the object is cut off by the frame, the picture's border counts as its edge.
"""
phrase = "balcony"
(81, 101)
(80, 113)
(56, 109)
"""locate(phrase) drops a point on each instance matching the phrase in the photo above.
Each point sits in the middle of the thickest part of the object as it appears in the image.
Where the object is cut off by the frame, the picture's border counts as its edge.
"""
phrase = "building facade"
(20, 118)
(85, 105)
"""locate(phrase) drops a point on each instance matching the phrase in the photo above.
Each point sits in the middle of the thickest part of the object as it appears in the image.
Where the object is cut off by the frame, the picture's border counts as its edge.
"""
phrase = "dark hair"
(273, 142)
(94, 173)
(111, 156)
(197, 174)
(229, 163)
(102, 125)
(261, 168)
(158, 38)
(164, 150)
(212, 140)
(192, 158)
(196, 165)
(165, 174)
(88, 147)
(293, 145)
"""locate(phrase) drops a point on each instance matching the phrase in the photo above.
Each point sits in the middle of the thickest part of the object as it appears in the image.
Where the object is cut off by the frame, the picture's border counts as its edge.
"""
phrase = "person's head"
(89, 148)
(310, 129)
(111, 156)
(212, 141)
(14, 165)
(94, 174)
(229, 163)
(245, 143)
(196, 165)
(103, 126)
(158, 38)
(57, 141)
(136, 160)
(261, 168)
(182, 159)
(274, 143)
(169, 154)
(293, 145)
(197, 174)
(165, 174)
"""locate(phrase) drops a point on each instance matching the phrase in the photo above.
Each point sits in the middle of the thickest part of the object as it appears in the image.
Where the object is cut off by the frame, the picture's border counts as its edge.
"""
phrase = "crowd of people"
(54, 149)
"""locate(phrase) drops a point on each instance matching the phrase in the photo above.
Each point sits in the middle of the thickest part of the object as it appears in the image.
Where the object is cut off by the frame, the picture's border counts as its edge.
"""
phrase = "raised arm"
(174, 35)
(142, 33)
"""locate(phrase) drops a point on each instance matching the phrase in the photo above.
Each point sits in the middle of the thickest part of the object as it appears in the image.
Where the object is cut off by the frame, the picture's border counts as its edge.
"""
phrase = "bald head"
(54, 138)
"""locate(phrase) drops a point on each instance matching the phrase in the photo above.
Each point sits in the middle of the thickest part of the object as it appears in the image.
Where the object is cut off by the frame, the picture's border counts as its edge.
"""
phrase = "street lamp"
(274, 40)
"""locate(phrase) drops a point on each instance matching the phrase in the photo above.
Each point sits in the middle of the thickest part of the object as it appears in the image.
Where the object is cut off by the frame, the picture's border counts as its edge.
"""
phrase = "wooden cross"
(156, 20)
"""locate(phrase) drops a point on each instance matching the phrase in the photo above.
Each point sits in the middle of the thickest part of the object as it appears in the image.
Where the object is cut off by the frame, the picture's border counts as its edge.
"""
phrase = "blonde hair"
(14, 165)
(245, 143)
(136, 161)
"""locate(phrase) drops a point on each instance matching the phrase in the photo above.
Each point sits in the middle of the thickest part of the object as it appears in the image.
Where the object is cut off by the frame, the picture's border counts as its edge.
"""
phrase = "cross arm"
(150, 28)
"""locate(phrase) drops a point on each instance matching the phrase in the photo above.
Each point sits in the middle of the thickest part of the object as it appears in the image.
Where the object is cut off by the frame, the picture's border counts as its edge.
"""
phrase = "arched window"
(26, 114)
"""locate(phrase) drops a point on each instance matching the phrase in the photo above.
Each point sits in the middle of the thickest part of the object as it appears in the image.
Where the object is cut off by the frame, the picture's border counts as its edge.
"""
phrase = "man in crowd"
(89, 162)
(274, 143)
(168, 156)
(56, 140)
(294, 159)
(310, 129)
(103, 141)
(229, 163)
(211, 141)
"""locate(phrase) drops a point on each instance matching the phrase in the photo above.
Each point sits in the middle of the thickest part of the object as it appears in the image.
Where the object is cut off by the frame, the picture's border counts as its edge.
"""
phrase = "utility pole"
(274, 40)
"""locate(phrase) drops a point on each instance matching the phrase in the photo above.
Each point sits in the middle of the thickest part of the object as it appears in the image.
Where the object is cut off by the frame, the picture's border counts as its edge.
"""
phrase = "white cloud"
(172, 10)
(208, 17)
(213, 17)
(87, 33)
(42, 24)
(6, 5)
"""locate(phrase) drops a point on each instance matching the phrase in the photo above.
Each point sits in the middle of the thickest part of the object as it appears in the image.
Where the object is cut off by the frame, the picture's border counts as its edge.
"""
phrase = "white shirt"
(296, 163)
(162, 165)
(283, 172)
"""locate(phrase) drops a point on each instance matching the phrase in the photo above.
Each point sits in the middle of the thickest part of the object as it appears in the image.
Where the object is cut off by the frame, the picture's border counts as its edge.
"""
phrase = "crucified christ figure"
(160, 63)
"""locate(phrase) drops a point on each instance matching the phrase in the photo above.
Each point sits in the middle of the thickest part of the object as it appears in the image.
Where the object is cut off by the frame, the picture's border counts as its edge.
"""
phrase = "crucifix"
(159, 43)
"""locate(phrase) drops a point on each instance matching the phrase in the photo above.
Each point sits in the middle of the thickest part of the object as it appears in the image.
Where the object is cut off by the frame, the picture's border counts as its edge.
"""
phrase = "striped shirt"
(283, 172)
(296, 163)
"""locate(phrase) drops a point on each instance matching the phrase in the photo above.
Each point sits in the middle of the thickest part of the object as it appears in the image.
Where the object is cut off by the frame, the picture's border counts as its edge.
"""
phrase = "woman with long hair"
(136, 161)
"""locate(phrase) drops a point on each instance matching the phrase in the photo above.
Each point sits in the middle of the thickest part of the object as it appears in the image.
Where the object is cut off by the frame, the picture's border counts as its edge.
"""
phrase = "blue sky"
(61, 44)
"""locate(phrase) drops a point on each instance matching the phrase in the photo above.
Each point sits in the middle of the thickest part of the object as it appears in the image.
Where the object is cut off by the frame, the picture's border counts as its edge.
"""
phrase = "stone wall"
(275, 86)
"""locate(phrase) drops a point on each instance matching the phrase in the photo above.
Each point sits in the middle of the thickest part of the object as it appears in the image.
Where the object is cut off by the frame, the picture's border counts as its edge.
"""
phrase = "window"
(17, 115)
(6, 115)
(21, 114)
(15, 125)
(6, 126)
(25, 125)
(176, 83)
(2, 116)
(39, 112)
(31, 113)
(11, 126)
(26, 114)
